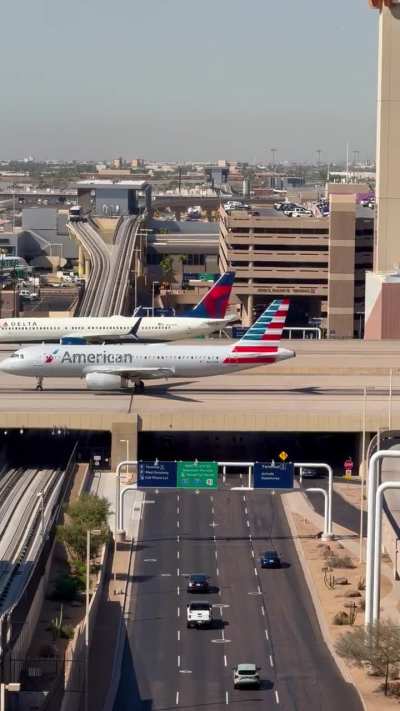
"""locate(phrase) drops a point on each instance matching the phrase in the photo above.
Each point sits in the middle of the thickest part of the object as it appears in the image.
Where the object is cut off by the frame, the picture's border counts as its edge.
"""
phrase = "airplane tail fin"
(215, 302)
(260, 342)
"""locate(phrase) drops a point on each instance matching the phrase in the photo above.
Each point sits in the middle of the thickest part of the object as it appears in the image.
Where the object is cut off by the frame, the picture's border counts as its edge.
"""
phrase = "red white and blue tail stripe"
(260, 343)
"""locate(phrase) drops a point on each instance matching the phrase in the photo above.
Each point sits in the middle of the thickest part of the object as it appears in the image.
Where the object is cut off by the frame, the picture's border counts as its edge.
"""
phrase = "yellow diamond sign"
(283, 456)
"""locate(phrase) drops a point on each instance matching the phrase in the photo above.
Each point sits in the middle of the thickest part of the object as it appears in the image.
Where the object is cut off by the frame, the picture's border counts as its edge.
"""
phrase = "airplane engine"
(105, 381)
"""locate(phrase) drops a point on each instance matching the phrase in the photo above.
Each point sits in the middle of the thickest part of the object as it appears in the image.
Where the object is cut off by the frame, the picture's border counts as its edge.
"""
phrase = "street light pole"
(328, 468)
(376, 592)
(317, 490)
(373, 473)
(390, 400)
(87, 596)
(363, 472)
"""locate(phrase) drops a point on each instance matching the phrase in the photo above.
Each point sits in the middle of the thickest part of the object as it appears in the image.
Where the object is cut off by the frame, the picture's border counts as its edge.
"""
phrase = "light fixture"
(21, 430)
(5, 432)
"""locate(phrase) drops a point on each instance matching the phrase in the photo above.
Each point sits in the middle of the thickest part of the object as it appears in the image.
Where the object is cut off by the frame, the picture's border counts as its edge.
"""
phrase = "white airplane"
(205, 318)
(114, 367)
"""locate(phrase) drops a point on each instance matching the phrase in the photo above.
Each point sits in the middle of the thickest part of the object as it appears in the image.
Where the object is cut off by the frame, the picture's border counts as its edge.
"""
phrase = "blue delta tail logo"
(260, 343)
(215, 302)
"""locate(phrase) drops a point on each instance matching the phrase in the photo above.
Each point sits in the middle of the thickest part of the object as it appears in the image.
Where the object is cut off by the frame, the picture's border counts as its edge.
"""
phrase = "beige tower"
(382, 285)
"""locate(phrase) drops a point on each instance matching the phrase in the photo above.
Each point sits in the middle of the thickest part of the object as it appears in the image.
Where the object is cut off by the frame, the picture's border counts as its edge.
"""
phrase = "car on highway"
(310, 473)
(245, 675)
(28, 295)
(199, 614)
(270, 559)
(198, 583)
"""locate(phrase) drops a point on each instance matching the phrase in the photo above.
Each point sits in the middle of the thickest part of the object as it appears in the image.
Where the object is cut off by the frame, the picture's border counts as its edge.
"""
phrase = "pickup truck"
(199, 614)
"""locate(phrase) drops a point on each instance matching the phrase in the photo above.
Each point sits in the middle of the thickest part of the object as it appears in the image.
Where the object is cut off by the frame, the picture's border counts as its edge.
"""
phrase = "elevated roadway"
(265, 617)
(100, 258)
(321, 390)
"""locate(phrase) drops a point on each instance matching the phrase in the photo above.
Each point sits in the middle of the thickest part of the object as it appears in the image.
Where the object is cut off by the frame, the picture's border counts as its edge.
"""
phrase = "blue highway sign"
(273, 476)
(157, 474)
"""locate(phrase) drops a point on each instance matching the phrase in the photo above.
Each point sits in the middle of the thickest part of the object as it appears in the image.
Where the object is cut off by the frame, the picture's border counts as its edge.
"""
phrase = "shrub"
(66, 632)
(65, 588)
(341, 618)
(336, 561)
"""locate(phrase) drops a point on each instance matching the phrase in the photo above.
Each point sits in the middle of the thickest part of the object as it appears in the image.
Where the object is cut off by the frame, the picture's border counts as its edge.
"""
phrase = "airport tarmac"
(321, 389)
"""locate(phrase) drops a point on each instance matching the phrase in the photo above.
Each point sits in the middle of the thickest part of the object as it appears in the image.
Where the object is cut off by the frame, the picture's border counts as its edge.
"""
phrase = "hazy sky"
(186, 79)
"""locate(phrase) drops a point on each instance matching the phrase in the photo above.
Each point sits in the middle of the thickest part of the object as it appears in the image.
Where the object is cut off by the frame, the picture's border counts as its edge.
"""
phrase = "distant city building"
(114, 199)
(137, 163)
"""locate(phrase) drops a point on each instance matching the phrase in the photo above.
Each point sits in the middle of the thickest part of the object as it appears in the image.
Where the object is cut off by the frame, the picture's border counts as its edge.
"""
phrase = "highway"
(264, 617)
(122, 260)
(108, 280)
(100, 259)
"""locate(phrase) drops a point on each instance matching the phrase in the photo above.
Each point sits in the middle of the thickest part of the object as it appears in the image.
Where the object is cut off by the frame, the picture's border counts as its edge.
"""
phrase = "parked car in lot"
(28, 295)
(198, 583)
(199, 614)
(270, 559)
(245, 675)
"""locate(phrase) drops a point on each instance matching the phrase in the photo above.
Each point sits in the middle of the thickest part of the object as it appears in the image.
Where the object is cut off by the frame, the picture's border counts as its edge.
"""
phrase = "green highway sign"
(197, 475)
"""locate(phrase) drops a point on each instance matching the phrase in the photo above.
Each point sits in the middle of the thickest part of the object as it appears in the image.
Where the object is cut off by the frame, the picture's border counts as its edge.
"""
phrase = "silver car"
(245, 675)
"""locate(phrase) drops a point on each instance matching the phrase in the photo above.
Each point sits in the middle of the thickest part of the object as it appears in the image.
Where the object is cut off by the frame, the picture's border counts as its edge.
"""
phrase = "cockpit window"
(16, 355)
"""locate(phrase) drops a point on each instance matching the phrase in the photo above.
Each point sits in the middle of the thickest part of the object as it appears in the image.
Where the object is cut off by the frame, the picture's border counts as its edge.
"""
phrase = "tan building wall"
(341, 266)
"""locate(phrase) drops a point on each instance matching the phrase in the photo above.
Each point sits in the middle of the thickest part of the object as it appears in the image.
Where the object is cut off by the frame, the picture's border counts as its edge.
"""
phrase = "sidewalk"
(304, 523)
(107, 640)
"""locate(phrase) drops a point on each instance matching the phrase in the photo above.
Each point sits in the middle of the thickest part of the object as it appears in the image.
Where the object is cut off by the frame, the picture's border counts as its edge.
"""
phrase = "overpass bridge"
(319, 396)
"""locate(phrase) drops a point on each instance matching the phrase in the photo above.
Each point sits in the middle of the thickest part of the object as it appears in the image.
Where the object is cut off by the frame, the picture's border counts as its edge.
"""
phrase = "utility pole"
(274, 151)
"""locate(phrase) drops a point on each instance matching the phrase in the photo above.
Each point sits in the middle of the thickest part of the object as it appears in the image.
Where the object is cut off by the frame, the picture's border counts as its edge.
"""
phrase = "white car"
(245, 675)
(199, 614)
(301, 213)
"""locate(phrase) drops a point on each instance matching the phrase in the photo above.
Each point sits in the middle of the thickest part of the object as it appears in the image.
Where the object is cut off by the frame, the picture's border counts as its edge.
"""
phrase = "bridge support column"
(81, 262)
(247, 310)
(124, 443)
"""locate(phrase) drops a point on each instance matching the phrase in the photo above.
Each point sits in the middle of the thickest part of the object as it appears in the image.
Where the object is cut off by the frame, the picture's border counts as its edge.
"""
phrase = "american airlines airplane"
(114, 367)
(208, 316)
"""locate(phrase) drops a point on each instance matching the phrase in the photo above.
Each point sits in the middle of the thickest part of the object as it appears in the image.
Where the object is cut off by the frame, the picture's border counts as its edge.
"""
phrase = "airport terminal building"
(319, 262)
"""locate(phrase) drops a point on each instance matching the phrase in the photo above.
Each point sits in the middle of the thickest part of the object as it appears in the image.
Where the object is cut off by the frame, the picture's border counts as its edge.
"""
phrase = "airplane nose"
(5, 365)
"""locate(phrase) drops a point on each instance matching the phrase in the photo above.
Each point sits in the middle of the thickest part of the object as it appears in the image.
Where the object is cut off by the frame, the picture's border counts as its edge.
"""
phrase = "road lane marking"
(271, 661)
(223, 634)
(216, 554)
(185, 671)
(165, 575)
(178, 510)
(277, 697)
(250, 537)
(244, 498)
(179, 611)
(179, 635)
(255, 571)
(248, 523)
(258, 589)
(245, 510)
(217, 571)
(252, 554)
(177, 524)
(212, 511)
(263, 610)
(177, 497)
(179, 660)
(177, 698)
(225, 661)
(266, 634)
(177, 554)
(215, 539)
(178, 539)
(150, 560)
(178, 590)
(177, 572)
(226, 698)
(211, 498)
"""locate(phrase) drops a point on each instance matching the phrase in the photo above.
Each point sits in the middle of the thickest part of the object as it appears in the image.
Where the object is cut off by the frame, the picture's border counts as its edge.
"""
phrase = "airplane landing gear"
(139, 386)
(39, 384)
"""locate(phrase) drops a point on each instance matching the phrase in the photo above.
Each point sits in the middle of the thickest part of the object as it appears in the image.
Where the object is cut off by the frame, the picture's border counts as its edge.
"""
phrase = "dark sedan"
(270, 559)
(198, 583)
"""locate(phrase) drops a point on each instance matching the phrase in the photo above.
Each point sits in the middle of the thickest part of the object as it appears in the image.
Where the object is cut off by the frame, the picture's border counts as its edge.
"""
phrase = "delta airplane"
(208, 316)
(114, 367)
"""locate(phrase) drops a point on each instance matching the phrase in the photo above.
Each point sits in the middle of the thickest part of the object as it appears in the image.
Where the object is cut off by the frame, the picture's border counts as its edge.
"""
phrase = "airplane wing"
(134, 373)
(81, 338)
